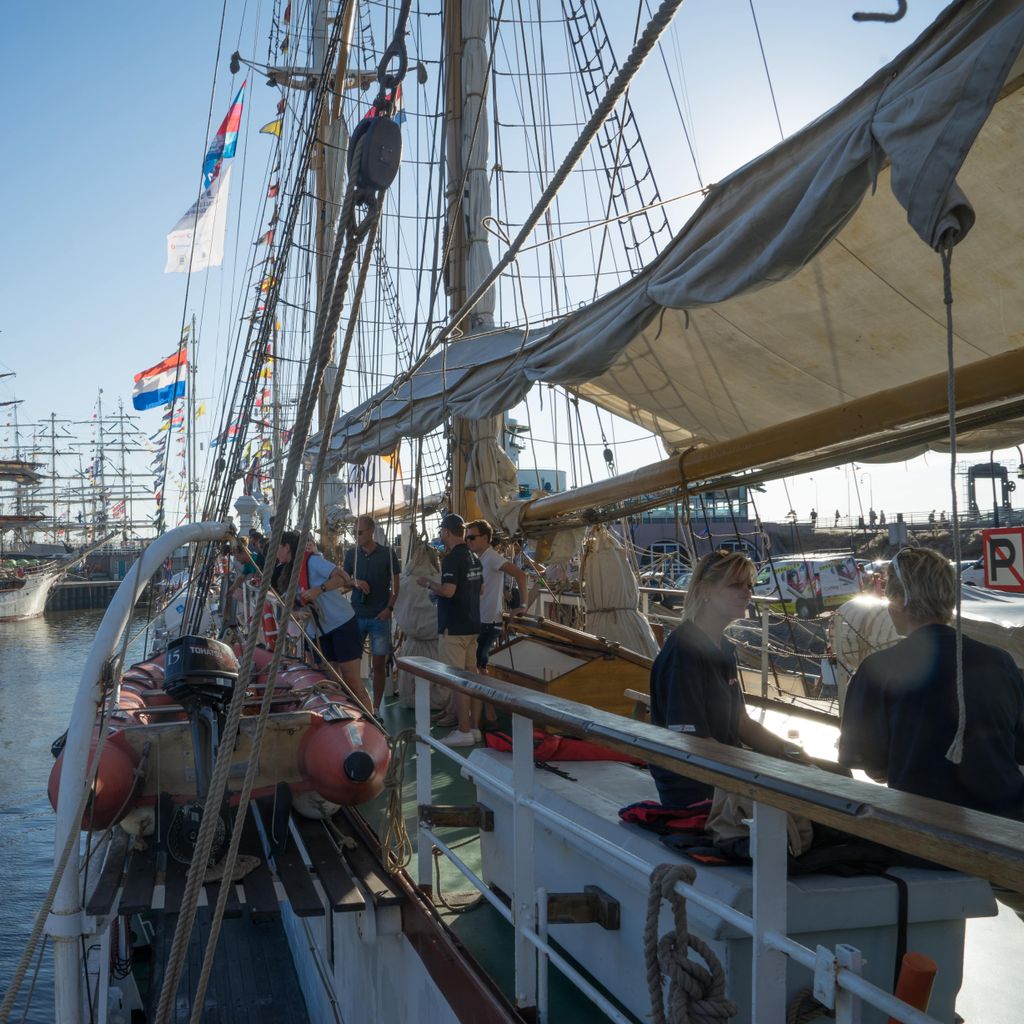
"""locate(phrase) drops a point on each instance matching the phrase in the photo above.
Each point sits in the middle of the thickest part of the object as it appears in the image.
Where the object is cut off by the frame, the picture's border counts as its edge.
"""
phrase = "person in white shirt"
(496, 566)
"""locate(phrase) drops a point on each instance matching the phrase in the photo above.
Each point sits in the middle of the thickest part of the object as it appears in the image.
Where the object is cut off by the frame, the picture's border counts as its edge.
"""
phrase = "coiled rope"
(696, 994)
(395, 845)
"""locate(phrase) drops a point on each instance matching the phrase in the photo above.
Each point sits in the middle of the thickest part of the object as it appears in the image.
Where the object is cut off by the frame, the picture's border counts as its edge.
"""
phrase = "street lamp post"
(871, 488)
(995, 499)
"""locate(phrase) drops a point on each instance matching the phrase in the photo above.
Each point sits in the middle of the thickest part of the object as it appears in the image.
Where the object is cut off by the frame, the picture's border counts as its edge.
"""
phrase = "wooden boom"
(984, 382)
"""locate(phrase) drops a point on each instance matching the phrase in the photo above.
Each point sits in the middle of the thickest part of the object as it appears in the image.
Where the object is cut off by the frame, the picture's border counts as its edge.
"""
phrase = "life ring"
(269, 623)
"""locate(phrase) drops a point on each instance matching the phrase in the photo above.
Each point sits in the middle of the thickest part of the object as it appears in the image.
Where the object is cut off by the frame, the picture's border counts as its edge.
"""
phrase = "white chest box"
(822, 909)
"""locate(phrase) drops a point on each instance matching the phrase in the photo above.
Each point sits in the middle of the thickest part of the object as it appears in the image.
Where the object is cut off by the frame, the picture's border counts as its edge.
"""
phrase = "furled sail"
(801, 282)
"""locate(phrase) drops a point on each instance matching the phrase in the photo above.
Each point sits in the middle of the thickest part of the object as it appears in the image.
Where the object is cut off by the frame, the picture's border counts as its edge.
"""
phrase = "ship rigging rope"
(188, 277)
(350, 234)
(395, 845)
(218, 783)
(655, 28)
(767, 73)
(956, 748)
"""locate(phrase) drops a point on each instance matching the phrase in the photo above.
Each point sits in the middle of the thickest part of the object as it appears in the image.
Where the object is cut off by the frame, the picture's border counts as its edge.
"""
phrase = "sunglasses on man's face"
(472, 536)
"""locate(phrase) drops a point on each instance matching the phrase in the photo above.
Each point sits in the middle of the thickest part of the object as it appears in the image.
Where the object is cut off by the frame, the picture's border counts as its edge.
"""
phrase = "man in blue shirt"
(374, 570)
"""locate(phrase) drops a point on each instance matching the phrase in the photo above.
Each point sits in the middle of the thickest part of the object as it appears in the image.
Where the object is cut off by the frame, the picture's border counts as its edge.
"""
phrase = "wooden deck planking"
(292, 870)
(101, 899)
(342, 892)
(366, 867)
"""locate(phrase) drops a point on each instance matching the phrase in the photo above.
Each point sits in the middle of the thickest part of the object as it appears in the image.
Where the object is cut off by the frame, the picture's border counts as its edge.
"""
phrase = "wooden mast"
(469, 262)
(326, 212)
(996, 379)
(455, 266)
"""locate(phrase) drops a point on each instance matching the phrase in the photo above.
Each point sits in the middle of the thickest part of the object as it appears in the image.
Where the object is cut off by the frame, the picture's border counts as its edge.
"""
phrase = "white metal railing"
(838, 983)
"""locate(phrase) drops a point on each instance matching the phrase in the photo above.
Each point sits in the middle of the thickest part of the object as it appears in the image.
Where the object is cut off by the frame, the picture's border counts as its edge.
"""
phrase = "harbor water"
(40, 662)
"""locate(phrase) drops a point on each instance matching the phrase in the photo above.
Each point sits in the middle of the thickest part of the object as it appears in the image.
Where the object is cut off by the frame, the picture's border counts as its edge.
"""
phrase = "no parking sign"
(1004, 558)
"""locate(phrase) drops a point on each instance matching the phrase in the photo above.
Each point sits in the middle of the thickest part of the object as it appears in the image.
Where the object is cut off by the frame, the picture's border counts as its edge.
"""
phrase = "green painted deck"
(485, 933)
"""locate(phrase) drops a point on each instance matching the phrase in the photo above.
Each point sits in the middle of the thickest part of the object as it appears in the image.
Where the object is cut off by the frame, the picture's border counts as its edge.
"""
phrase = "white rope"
(956, 748)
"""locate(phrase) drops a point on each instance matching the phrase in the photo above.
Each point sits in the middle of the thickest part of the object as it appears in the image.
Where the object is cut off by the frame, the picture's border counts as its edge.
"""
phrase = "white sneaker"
(458, 738)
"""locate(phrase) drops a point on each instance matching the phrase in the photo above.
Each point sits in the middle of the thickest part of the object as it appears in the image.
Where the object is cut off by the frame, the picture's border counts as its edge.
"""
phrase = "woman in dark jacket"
(695, 686)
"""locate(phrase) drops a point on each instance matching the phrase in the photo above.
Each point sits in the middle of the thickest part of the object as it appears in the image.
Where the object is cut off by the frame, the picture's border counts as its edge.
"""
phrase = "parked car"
(670, 593)
(974, 574)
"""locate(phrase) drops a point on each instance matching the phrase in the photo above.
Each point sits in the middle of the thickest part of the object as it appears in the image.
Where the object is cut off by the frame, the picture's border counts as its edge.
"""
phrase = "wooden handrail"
(970, 841)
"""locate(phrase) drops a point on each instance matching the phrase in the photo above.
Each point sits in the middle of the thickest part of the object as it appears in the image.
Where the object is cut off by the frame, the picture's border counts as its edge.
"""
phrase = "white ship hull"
(29, 600)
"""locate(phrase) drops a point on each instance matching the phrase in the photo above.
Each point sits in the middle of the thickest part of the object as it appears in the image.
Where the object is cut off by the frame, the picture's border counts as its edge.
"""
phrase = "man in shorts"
(374, 569)
(458, 620)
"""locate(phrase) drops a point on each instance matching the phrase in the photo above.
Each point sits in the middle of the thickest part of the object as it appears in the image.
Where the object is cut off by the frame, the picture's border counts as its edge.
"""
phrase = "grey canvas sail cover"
(805, 279)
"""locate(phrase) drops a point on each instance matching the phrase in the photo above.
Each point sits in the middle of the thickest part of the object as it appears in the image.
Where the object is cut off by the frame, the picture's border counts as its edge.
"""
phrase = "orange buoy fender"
(114, 786)
(268, 620)
(344, 760)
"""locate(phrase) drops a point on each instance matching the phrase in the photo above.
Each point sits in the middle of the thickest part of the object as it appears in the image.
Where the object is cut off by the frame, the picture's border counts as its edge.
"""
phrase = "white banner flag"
(207, 220)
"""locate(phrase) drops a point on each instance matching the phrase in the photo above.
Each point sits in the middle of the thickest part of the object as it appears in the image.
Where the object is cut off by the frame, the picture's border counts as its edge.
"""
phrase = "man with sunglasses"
(375, 570)
(458, 620)
(902, 709)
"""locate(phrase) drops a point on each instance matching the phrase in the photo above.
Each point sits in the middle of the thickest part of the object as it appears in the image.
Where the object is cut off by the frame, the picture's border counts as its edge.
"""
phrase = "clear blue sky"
(106, 125)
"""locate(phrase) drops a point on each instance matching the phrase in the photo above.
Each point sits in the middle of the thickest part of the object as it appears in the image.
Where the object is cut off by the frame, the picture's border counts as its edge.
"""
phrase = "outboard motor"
(200, 674)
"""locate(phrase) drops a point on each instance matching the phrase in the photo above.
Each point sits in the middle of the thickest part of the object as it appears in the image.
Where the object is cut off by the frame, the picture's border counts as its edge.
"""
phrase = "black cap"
(453, 521)
(358, 766)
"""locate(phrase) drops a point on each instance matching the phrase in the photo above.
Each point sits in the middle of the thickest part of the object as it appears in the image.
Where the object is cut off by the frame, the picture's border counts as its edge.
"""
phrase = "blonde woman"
(695, 688)
(901, 712)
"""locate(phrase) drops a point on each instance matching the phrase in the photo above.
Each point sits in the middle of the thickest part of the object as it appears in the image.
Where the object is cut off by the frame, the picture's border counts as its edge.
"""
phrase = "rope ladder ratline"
(218, 782)
(655, 29)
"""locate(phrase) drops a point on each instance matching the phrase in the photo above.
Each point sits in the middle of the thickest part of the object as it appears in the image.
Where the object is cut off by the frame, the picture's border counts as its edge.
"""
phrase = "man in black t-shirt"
(458, 619)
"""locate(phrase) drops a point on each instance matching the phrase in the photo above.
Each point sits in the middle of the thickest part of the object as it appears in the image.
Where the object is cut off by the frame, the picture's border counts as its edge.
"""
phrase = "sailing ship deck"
(319, 875)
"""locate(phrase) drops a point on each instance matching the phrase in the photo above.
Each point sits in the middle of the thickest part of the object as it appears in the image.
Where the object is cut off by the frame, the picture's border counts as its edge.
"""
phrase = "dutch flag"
(162, 383)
